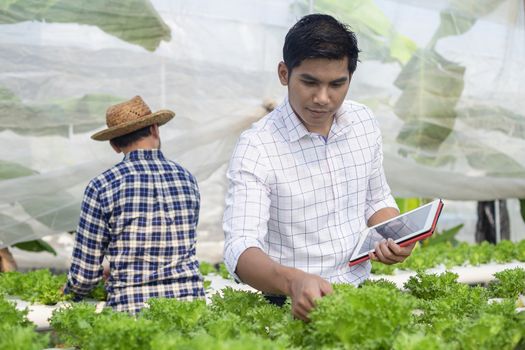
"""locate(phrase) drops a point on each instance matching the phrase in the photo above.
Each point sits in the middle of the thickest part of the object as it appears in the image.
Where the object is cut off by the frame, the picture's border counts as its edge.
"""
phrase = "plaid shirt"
(304, 199)
(142, 215)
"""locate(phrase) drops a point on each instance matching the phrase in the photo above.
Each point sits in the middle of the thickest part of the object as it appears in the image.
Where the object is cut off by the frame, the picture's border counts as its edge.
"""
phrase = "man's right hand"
(305, 289)
(105, 274)
(255, 268)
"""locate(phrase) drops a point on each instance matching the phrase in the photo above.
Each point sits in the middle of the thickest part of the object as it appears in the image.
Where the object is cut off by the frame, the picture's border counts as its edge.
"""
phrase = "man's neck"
(144, 143)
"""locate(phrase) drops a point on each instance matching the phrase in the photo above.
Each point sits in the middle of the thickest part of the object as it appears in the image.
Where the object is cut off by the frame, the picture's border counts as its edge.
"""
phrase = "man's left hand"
(388, 252)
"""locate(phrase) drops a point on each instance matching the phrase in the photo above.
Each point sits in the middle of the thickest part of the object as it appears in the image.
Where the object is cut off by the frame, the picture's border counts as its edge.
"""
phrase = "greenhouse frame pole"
(497, 223)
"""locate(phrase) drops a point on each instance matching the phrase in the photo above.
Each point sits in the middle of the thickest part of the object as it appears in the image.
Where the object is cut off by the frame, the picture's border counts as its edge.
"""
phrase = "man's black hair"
(320, 36)
(128, 139)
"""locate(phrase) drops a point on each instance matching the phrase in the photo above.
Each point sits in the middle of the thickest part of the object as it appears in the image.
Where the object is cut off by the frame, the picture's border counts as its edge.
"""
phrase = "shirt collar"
(142, 154)
(342, 122)
(293, 124)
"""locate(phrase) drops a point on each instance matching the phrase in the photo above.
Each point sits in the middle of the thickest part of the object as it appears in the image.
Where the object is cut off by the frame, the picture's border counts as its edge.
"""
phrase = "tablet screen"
(399, 229)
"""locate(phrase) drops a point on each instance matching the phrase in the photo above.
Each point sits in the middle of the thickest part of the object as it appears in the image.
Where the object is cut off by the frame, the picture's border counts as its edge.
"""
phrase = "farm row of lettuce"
(443, 249)
(435, 312)
(41, 286)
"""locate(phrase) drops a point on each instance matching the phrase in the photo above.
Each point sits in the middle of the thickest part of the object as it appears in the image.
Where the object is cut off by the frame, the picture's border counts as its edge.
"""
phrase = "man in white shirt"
(305, 180)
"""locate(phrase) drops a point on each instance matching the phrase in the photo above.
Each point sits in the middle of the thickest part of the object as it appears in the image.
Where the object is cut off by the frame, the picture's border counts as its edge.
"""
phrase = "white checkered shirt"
(304, 199)
(142, 215)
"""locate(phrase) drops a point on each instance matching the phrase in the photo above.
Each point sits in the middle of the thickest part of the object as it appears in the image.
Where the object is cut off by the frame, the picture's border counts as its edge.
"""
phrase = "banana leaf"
(431, 88)
(443, 237)
(492, 162)
(432, 85)
(378, 39)
(11, 170)
(493, 118)
(59, 212)
(36, 245)
(21, 229)
(59, 117)
(134, 21)
(407, 204)
(461, 15)
(10, 227)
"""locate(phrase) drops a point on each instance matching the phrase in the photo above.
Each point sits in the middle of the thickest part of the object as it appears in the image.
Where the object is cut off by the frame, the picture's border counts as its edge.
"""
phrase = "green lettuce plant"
(16, 332)
(359, 318)
(42, 286)
(22, 338)
(445, 253)
(437, 312)
(509, 283)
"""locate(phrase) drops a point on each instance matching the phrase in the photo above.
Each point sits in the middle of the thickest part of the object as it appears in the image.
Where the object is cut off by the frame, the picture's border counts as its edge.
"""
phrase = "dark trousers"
(277, 300)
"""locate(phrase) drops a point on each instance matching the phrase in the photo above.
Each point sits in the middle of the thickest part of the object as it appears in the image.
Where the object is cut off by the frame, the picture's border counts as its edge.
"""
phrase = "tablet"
(404, 229)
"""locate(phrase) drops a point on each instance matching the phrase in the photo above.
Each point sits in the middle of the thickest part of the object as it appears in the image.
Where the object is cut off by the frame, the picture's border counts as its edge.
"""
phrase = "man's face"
(316, 90)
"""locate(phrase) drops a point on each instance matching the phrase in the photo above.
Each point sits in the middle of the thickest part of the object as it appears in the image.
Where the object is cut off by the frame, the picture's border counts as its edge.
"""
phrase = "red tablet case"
(419, 237)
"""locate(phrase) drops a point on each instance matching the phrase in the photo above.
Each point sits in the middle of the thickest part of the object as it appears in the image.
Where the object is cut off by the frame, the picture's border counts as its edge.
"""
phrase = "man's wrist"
(286, 275)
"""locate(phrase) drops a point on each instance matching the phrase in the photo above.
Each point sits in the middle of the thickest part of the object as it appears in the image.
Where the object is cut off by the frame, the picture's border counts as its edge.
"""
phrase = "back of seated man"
(141, 215)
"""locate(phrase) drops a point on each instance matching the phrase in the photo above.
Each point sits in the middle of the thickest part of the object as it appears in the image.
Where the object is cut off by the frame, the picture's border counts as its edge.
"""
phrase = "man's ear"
(282, 71)
(154, 129)
(116, 148)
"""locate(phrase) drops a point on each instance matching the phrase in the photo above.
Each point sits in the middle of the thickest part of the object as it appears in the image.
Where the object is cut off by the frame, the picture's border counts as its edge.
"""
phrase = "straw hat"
(129, 116)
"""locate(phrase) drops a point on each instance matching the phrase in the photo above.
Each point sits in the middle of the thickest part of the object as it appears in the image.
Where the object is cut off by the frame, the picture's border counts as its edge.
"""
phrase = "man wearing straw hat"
(141, 215)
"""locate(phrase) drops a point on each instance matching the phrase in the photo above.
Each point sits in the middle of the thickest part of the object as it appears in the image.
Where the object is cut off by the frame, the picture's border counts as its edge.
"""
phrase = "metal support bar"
(497, 220)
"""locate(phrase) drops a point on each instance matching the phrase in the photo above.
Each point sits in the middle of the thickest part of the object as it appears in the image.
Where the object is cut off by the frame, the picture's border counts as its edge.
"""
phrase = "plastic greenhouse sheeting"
(444, 78)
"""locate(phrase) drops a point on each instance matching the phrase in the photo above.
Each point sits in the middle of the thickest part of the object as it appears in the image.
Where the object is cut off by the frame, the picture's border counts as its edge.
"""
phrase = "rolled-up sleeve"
(378, 195)
(247, 209)
(91, 240)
